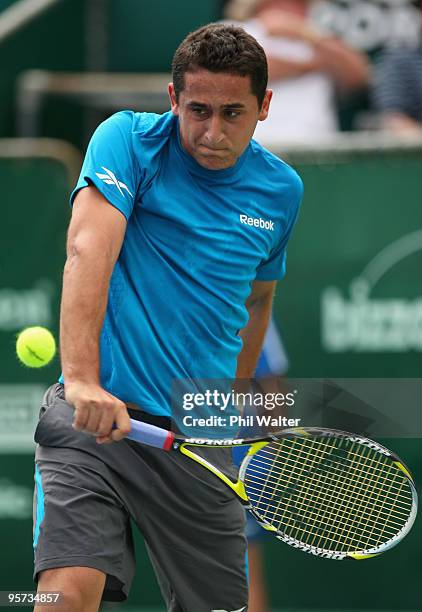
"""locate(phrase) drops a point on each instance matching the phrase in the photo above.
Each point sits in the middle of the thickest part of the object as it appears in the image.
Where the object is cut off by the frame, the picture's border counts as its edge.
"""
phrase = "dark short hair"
(219, 47)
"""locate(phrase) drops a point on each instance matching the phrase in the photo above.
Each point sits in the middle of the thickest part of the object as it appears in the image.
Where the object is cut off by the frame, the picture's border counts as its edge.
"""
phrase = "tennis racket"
(326, 492)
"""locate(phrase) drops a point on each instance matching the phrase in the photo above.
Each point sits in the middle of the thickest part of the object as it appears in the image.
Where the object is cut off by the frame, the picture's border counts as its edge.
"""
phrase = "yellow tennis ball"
(35, 346)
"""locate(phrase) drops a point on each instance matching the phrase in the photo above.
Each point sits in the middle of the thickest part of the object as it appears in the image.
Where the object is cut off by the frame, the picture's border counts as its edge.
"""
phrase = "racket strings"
(382, 460)
(366, 476)
(335, 494)
(335, 503)
(283, 458)
(405, 500)
(260, 465)
(321, 527)
(349, 516)
(382, 506)
(381, 486)
(353, 512)
(328, 500)
(329, 488)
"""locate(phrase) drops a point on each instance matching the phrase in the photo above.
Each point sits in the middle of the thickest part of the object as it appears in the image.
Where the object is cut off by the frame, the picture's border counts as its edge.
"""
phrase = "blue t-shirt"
(195, 241)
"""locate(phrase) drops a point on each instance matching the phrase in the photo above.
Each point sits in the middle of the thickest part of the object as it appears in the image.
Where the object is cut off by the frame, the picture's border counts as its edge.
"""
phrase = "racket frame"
(321, 552)
(168, 441)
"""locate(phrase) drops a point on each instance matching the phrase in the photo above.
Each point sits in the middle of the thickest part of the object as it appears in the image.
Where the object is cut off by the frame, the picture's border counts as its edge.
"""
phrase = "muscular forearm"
(94, 241)
(84, 300)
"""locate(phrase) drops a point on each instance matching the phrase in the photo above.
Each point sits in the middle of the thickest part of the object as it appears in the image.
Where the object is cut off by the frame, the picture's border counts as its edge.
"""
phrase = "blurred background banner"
(35, 176)
(350, 305)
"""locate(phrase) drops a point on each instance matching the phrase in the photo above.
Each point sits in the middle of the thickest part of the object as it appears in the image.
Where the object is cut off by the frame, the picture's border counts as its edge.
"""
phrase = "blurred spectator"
(397, 91)
(306, 69)
(371, 25)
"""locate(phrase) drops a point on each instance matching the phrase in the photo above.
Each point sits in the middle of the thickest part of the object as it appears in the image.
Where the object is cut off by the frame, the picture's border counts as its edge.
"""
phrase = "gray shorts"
(86, 494)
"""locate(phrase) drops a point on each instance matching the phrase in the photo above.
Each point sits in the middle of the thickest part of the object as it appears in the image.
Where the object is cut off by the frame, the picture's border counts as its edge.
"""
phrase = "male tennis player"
(177, 238)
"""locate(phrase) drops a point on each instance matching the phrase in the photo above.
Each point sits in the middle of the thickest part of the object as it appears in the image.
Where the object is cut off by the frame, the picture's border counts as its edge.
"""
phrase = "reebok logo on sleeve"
(257, 222)
(110, 179)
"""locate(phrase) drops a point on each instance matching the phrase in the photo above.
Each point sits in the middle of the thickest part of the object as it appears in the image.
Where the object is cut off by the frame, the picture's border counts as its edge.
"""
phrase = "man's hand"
(96, 411)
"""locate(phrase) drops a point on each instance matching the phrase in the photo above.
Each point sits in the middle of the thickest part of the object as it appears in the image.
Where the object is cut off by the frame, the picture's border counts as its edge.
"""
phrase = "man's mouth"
(212, 150)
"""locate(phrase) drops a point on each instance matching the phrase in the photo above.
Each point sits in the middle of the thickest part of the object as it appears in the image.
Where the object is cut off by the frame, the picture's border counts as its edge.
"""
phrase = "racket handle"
(150, 435)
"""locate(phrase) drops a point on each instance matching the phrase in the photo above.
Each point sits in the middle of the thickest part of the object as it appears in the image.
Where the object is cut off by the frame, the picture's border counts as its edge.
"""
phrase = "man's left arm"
(259, 306)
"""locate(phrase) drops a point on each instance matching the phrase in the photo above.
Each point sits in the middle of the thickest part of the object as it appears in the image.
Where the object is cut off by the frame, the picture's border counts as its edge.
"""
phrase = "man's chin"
(215, 162)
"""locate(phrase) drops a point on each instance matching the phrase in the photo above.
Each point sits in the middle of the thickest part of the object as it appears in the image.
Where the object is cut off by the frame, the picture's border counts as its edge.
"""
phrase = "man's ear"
(263, 113)
(173, 101)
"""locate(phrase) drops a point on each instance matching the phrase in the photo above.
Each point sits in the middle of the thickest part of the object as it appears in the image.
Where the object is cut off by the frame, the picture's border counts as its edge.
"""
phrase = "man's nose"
(215, 132)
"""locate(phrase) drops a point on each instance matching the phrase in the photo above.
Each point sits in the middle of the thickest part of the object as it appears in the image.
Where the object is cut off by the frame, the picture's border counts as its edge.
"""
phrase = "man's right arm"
(95, 238)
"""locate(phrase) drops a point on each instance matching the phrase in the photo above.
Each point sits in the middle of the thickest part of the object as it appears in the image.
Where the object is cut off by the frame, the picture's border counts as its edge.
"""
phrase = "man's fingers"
(105, 425)
(102, 415)
(114, 430)
(122, 425)
(80, 418)
(94, 419)
(104, 439)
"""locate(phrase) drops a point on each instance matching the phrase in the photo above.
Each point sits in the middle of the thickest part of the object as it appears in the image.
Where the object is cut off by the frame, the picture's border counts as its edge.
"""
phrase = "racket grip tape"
(145, 433)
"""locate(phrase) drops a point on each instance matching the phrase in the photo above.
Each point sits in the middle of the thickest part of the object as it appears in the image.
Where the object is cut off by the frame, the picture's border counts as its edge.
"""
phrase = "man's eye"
(201, 112)
(232, 114)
